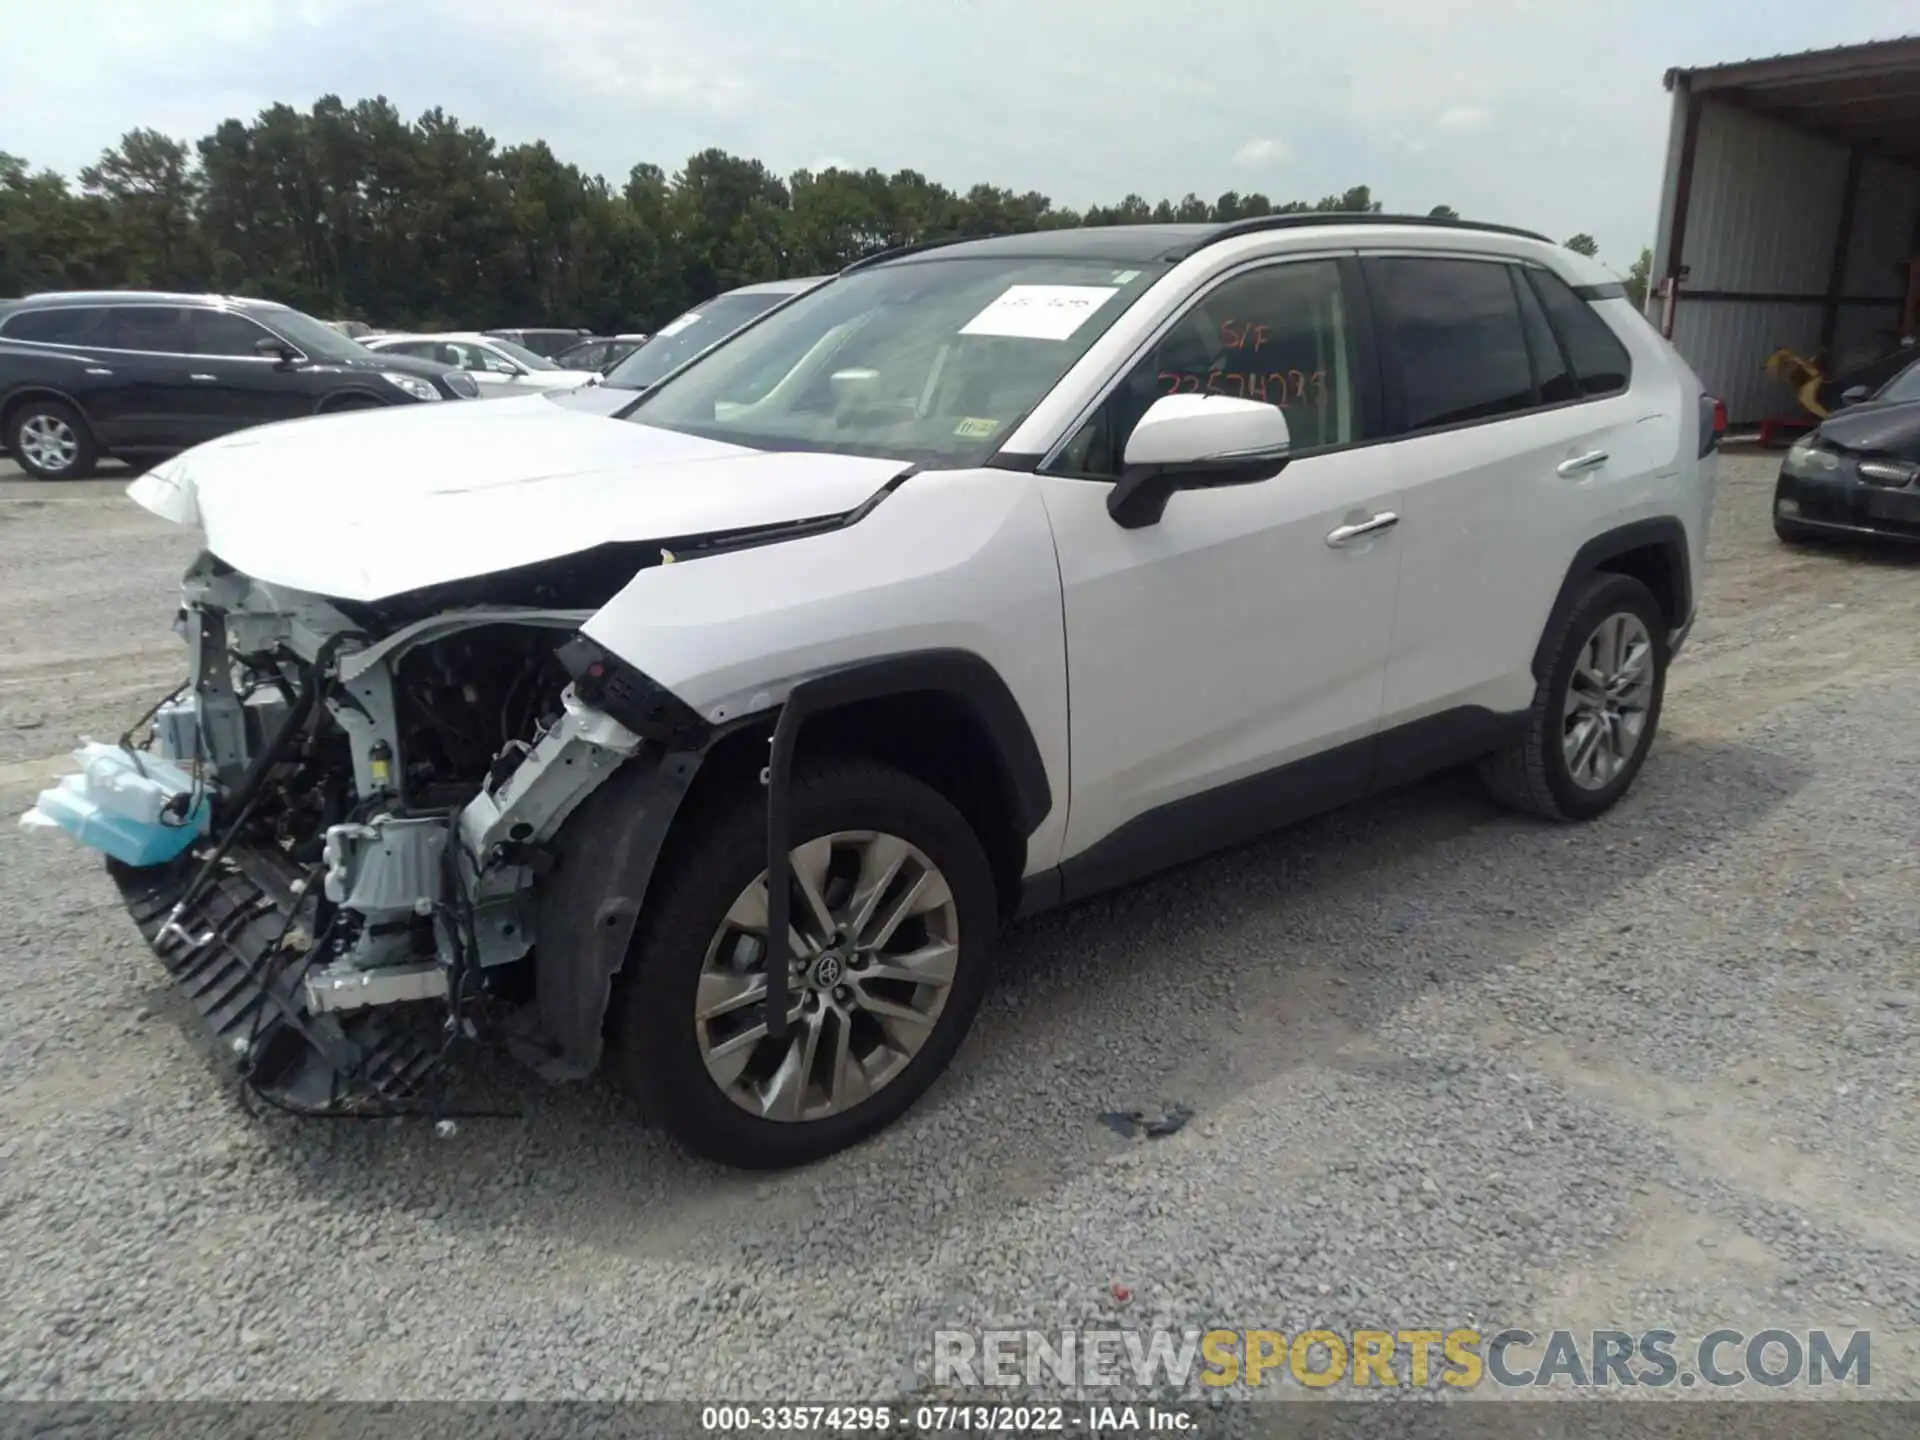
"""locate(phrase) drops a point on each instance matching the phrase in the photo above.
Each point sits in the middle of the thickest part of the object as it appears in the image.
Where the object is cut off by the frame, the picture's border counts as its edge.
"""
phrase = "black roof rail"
(1302, 219)
(914, 249)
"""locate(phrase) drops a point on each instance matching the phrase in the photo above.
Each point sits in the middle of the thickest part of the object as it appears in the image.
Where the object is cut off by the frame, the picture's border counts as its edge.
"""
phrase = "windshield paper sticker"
(1039, 312)
(676, 326)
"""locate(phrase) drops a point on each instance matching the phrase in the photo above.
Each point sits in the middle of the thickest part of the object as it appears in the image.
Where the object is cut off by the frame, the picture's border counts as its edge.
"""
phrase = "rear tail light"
(1713, 423)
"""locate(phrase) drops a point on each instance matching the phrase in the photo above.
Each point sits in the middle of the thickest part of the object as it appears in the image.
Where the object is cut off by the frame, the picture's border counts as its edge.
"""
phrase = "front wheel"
(1594, 716)
(893, 913)
(50, 440)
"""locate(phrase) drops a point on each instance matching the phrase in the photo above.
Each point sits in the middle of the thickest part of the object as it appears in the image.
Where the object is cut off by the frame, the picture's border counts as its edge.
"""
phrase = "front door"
(159, 408)
(1239, 635)
(233, 384)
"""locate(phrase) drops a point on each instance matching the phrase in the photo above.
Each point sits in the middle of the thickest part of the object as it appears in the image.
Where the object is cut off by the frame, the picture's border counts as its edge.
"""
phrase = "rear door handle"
(207, 378)
(1580, 464)
(1347, 534)
(98, 370)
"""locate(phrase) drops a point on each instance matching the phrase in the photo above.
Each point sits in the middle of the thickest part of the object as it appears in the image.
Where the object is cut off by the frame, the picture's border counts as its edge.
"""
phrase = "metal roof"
(1867, 95)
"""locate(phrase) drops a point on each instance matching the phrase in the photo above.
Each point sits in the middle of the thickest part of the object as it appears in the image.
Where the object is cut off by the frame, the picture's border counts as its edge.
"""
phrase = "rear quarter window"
(65, 325)
(1600, 363)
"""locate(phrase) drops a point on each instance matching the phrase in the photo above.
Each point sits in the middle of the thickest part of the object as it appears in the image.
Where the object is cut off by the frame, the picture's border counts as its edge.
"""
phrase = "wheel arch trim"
(1664, 534)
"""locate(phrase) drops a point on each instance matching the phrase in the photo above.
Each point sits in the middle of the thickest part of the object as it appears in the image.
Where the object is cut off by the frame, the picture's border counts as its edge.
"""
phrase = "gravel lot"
(1447, 1067)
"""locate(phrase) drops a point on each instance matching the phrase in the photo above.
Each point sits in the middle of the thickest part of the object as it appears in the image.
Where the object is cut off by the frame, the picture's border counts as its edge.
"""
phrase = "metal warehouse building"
(1790, 216)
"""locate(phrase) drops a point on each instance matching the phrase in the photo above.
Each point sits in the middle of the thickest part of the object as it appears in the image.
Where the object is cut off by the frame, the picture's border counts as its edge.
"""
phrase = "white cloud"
(1466, 120)
(1261, 152)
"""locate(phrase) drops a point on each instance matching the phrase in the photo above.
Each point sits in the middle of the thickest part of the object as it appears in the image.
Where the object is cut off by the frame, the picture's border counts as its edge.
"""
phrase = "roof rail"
(914, 249)
(1301, 219)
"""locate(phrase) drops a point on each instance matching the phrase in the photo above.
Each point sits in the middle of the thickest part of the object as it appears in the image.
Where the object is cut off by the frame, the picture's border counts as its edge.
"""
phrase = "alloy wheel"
(49, 442)
(1608, 697)
(875, 941)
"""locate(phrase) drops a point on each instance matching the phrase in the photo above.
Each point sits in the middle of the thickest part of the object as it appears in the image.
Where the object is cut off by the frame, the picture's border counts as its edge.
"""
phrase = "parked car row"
(143, 374)
(499, 366)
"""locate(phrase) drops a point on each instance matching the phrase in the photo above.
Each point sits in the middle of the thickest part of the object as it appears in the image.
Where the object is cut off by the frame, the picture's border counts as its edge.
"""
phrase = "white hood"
(374, 503)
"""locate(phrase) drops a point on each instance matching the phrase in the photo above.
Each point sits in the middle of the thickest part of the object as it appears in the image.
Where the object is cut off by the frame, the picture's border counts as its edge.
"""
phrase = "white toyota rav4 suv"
(721, 734)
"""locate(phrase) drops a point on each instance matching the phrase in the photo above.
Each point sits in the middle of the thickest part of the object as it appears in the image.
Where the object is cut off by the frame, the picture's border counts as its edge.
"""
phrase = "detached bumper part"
(228, 957)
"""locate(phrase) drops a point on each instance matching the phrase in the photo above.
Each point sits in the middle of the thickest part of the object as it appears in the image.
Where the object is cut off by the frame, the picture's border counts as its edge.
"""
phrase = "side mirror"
(1854, 394)
(276, 349)
(1188, 442)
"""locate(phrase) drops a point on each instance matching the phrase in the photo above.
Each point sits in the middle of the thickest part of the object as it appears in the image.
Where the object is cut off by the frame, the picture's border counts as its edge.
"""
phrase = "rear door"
(1509, 459)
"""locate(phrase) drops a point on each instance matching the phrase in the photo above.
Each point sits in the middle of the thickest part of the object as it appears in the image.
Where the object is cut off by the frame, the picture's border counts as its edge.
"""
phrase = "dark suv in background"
(139, 375)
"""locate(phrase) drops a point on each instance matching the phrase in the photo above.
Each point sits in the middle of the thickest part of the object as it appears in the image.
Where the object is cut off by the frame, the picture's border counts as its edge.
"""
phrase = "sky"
(1541, 113)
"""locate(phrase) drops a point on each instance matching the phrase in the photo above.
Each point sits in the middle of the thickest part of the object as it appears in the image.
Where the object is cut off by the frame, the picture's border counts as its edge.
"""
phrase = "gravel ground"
(1446, 1066)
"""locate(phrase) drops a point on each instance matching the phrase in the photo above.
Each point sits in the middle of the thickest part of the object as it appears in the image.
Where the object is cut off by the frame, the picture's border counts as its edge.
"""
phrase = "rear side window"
(216, 332)
(1600, 362)
(66, 325)
(161, 329)
(1452, 328)
(1552, 375)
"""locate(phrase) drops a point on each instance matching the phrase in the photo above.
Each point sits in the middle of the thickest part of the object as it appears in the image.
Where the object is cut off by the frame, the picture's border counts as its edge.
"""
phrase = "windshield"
(522, 354)
(680, 339)
(932, 360)
(1904, 386)
(317, 340)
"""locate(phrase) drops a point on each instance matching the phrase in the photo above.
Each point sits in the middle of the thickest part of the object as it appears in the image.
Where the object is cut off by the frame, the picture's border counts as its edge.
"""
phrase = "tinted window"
(67, 325)
(161, 328)
(1599, 359)
(418, 349)
(1551, 375)
(216, 332)
(1281, 334)
(1454, 327)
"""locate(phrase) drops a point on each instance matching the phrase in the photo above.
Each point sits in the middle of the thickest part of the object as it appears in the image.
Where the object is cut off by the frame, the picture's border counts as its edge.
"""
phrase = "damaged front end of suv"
(377, 796)
(342, 835)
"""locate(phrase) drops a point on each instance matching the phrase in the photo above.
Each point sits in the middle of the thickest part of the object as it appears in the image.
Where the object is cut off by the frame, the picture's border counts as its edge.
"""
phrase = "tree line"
(352, 212)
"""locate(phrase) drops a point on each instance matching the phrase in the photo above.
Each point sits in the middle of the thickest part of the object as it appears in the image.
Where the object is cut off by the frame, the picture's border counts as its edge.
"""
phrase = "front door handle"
(1580, 464)
(208, 378)
(1347, 534)
(98, 370)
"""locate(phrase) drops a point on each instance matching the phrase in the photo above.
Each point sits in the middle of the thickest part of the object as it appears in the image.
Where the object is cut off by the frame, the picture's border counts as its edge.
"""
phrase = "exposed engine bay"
(384, 788)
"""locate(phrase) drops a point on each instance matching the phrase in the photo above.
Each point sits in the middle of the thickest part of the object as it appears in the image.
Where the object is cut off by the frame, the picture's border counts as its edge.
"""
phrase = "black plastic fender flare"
(1664, 533)
(591, 903)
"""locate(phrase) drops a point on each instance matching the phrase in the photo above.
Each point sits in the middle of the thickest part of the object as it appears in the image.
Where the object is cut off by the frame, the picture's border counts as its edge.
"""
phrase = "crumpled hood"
(374, 503)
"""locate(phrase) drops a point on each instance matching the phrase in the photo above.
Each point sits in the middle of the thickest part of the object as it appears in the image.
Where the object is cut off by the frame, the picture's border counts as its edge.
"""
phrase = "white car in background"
(500, 367)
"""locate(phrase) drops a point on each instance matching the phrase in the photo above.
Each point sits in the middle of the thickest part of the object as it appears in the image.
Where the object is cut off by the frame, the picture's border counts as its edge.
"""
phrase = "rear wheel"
(1594, 716)
(50, 440)
(892, 912)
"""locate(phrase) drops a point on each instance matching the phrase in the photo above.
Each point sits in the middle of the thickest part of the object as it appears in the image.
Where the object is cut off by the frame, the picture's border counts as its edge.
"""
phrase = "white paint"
(376, 502)
(1039, 312)
(960, 559)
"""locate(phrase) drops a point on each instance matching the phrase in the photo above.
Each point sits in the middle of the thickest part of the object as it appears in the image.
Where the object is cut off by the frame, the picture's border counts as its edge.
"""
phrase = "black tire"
(652, 1037)
(1533, 774)
(86, 454)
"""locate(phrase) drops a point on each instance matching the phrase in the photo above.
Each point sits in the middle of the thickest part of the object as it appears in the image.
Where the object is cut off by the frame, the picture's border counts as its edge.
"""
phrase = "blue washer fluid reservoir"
(127, 804)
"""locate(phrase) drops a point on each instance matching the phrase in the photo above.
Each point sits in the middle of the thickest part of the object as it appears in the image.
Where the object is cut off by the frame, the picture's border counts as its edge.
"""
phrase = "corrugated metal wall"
(1763, 216)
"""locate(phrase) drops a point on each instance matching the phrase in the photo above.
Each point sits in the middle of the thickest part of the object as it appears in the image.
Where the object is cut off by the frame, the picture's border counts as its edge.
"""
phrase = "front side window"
(218, 332)
(1281, 334)
(63, 325)
(312, 338)
(1599, 360)
(157, 329)
(1452, 330)
(930, 360)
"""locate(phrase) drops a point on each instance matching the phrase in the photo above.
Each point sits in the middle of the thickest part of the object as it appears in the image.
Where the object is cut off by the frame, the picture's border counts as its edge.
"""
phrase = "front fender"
(949, 561)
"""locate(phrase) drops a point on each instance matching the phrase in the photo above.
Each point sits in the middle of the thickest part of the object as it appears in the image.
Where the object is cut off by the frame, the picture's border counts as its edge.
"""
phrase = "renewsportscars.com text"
(1461, 1358)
